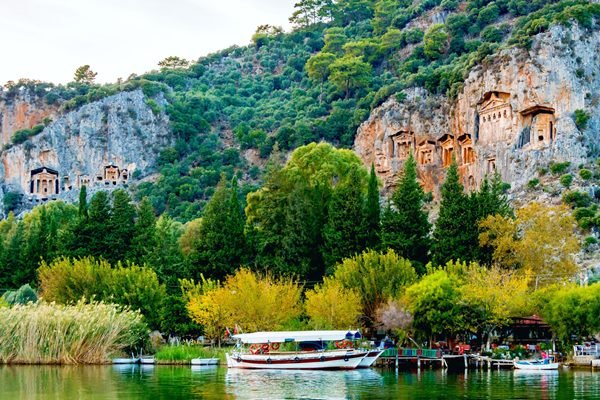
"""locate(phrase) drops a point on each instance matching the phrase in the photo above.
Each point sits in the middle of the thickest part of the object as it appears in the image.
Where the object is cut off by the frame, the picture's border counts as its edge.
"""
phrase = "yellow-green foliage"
(67, 280)
(376, 277)
(248, 300)
(540, 240)
(331, 306)
(82, 333)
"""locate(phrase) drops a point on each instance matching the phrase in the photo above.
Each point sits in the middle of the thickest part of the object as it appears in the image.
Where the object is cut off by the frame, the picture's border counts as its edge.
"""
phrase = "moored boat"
(147, 360)
(536, 365)
(264, 353)
(205, 361)
(132, 360)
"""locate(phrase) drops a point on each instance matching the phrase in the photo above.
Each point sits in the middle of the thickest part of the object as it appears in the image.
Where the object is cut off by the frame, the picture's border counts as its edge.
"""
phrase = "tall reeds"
(83, 333)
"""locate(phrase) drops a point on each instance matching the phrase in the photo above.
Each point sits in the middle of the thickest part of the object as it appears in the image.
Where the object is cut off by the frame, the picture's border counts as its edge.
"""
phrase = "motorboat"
(205, 361)
(536, 365)
(124, 360)
(261, 350)
(147, 360)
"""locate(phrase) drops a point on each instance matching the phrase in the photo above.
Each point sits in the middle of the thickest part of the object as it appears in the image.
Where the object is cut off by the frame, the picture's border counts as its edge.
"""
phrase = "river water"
(167, 382)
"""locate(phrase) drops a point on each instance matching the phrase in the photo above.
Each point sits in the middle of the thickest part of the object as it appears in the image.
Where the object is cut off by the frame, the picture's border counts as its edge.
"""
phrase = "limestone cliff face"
(513, 116)
(23, 111)
(105, 144)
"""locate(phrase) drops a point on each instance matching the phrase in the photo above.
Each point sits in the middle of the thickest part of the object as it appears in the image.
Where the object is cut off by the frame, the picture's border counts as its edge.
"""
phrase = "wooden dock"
(434, 358)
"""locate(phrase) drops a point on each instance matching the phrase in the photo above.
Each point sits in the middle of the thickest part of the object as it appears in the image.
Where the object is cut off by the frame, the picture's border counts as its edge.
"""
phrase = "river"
(167, 382)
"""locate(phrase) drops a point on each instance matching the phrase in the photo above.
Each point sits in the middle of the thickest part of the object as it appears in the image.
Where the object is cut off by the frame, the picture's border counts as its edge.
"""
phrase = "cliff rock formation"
(104, 144)
(23, 111)
(514, 115)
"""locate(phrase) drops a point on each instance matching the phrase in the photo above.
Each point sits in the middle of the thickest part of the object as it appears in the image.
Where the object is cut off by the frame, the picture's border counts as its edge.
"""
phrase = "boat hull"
(535, 366)
(125, 360)
(315, 360)
(370, 358)
(205, 361)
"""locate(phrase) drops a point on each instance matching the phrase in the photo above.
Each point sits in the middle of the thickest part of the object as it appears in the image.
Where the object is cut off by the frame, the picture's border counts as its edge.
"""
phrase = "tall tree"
(453, 233)
(349, 73)
(144, 239)
(95, 230)
(83, 205)
(221, 244)
(404, 226)
(344, 232)
(121, 226)
(372, 212)
(317, 68)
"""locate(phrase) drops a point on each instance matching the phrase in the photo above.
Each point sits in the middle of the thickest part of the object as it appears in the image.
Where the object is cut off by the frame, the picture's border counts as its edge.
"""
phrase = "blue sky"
(49, 39)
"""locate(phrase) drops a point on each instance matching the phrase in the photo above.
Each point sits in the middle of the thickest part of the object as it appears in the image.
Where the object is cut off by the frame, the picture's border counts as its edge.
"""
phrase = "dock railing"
(413, 353)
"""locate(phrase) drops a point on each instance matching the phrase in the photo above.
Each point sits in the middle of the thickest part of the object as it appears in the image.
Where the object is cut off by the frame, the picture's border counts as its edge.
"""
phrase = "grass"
(48, 333)
(183, 354)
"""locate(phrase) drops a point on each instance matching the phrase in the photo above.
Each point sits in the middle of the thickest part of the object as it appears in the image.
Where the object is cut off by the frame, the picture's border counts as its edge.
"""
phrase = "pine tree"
(15, 257)
(94, 231)
(37, 245)
(221, 245)
(344, 232)
(404, 226)
(454, 230)
(372, 212)
(144, 239)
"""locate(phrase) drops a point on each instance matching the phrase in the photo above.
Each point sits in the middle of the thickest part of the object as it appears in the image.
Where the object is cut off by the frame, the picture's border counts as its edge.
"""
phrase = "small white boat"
(370, 358)
(536, 365)
(132, 360)
(205, 361)
(148, 360)
(264, 350)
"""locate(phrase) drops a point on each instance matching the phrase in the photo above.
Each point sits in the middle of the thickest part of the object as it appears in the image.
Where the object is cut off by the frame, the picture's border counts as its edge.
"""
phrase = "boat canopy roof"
(296, 336)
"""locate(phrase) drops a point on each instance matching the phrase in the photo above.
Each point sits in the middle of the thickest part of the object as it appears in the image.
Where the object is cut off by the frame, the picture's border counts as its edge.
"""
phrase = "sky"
(48, 39)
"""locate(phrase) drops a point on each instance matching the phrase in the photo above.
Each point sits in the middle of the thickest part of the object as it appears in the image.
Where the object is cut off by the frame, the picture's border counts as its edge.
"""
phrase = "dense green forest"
(309, 211)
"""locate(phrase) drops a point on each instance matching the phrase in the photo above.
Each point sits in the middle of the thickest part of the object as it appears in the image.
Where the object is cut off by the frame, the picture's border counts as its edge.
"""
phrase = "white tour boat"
(263, 351)
(370, 358)
(537, 365)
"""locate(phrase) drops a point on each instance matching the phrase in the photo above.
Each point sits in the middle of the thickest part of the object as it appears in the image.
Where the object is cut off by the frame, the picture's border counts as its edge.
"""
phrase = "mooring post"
(418, 361)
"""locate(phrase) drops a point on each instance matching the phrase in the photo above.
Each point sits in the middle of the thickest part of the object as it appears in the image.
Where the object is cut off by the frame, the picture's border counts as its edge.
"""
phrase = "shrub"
(585, 174)
(581, 119)
(25, 294)
(532, 184)
(11, 201)
(577, 199)
(590, 241)
(67, 334)
(69, 280)
(559, 168)
(566, 180)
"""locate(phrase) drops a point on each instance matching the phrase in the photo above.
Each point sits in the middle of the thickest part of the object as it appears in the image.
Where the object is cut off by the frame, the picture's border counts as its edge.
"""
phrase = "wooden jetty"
(421, 358)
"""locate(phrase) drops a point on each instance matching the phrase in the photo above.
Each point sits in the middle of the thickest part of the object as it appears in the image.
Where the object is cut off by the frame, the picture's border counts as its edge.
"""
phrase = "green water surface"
(166, 382)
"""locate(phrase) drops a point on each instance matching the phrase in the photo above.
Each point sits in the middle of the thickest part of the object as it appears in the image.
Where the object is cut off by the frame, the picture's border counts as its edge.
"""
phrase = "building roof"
(536, 109)
(41, 169)
(296, 336)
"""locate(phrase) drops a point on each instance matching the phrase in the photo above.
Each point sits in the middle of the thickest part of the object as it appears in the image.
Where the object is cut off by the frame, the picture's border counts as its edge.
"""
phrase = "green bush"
(23, 295)
(532, 184)
(581, 119)
(566, 180)
(585, 174)
(577, 199)
(11, 201)
(589, 241)
(559, 168)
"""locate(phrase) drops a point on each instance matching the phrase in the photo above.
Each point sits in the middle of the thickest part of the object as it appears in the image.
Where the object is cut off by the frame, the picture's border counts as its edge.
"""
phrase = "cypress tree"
(121, 227)
(404, 226)
(83, 206)
(95, 237)
(372, 223)
(144, 238)
(343, 234)
(453, 236)
(221, 245)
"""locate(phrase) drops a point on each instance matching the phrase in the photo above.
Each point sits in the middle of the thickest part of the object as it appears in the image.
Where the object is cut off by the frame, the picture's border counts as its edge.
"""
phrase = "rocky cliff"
(514, 115)
(23, 111)
(105, 144)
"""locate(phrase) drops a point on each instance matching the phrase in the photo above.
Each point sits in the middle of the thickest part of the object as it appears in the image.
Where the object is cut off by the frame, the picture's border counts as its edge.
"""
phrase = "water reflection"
(261, 384)
(172, 382)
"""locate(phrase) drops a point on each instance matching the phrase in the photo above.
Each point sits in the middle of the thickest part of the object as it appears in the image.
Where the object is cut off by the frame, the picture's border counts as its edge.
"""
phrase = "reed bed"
(49, 333)
(184, 353)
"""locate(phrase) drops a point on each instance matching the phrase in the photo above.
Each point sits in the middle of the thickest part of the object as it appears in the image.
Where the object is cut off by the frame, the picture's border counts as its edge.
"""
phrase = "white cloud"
(49, 39)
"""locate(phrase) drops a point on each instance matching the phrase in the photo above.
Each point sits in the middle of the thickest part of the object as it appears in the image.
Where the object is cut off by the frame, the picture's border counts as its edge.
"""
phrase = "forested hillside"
(261, 175)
